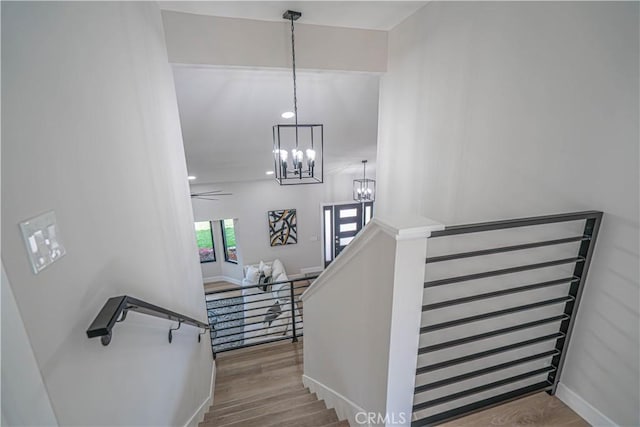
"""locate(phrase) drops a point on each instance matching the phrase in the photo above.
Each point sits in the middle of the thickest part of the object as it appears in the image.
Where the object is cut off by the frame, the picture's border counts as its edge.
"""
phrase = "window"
(204, 236)
(229, 240)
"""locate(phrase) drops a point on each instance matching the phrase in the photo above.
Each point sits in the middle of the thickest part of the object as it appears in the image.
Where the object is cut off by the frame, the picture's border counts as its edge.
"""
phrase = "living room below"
(250, 205)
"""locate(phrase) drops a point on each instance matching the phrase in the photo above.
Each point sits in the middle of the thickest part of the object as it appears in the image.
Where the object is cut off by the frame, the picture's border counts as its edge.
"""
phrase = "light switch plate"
(42, 239)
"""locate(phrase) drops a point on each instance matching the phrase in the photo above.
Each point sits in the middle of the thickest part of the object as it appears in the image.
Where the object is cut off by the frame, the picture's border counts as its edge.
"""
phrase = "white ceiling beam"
(218, 41)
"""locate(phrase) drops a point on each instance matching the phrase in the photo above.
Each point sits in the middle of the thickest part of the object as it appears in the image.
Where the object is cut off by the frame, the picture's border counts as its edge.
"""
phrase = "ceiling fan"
(208, 195)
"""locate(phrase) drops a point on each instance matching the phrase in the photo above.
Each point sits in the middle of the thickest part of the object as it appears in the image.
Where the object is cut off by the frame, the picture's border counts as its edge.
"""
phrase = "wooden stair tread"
(277, 418)
(314, 419)
(256, 373)
(259, 395)
(256, 390)
(252, 403)
(260, 350)
(267, 408)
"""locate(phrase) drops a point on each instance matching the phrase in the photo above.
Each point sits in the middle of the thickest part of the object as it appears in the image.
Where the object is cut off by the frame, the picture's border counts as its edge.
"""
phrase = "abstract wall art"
(283, 229)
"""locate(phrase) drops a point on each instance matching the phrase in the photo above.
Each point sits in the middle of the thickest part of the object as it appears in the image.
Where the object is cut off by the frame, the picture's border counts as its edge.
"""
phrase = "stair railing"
(247, 316)
(116, 308)
(497, 388)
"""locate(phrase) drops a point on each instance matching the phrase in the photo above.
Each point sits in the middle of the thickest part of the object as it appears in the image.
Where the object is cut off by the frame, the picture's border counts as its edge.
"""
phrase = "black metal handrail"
(518, 222)
(240, 321)
(565, 320)
(116, 308)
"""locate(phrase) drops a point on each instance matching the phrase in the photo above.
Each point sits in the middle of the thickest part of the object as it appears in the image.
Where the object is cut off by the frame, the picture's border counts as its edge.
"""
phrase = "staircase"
(261, 387)
(293, 407)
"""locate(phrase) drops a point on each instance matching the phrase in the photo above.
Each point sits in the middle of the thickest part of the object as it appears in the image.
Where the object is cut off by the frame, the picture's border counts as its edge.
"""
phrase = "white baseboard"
(582, 407)
(345, 408)
(221, 279)
(198, 416)
(311, 270)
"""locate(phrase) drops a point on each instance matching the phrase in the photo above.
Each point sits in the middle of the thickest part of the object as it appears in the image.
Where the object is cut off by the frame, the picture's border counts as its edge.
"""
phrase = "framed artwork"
(283, 229)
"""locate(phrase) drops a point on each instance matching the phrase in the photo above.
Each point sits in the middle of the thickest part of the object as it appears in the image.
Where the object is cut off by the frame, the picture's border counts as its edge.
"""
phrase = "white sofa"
(267, 305)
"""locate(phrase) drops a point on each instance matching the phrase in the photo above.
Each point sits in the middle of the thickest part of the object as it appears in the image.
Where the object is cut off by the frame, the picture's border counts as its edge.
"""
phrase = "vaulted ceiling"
(227, 117)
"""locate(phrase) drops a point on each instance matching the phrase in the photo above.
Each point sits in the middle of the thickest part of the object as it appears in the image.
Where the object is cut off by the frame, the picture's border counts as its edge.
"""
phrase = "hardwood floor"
(218, 286)
(262, 386)
(536, 410)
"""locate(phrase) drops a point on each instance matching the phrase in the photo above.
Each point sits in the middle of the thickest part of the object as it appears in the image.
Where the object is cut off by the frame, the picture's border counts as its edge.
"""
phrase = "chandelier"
(364, 190)
(297, 148)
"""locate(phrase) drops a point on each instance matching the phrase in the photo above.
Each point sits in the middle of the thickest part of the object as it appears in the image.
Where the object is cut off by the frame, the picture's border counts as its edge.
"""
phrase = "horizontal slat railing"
(513, 352)
(239, 317)
(116, 308)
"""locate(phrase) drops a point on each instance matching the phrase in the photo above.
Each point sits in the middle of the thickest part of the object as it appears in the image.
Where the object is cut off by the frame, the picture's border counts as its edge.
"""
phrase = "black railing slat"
(259, 285)
(514, 223)
(491, 314)
(481, 405)
(484, 371)
(250, 338)
(251, 330)
(493, 333)
(502, 249)
(501, 272)
(487, 353)
(480, 389)
(501, 292)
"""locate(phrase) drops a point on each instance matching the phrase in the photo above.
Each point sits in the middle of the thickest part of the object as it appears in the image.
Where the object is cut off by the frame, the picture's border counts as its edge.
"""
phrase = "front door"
(341, 223)
(347, 221)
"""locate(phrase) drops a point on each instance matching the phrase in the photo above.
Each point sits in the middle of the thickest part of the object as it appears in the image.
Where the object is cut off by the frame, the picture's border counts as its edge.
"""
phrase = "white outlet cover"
(42, 239)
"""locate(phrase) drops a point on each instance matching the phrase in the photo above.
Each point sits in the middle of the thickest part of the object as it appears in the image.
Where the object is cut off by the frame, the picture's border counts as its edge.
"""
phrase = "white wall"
(91, 130)
(25, 401)
(250, 203)
(347, 319)
(362, 317)
(213, 40)
(499, 110)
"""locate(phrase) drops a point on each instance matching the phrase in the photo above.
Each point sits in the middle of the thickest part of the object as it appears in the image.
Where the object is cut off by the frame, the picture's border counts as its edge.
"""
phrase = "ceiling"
(227, 117)
(374, 15)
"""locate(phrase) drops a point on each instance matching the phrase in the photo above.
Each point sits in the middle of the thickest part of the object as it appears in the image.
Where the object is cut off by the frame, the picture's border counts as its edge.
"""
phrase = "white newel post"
(408, 283)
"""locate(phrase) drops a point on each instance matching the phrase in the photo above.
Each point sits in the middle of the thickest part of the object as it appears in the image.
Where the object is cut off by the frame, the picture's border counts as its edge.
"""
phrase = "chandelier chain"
(295, 89)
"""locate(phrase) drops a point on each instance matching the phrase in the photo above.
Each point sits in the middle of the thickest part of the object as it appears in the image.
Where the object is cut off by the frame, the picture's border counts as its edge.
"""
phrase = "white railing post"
(406, 313)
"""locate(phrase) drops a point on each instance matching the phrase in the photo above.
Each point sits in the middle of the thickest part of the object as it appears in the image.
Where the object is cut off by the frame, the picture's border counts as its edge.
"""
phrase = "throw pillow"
(253, 274)
(277, 268)
(264, 280)
(267, 270)
(272, 313)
